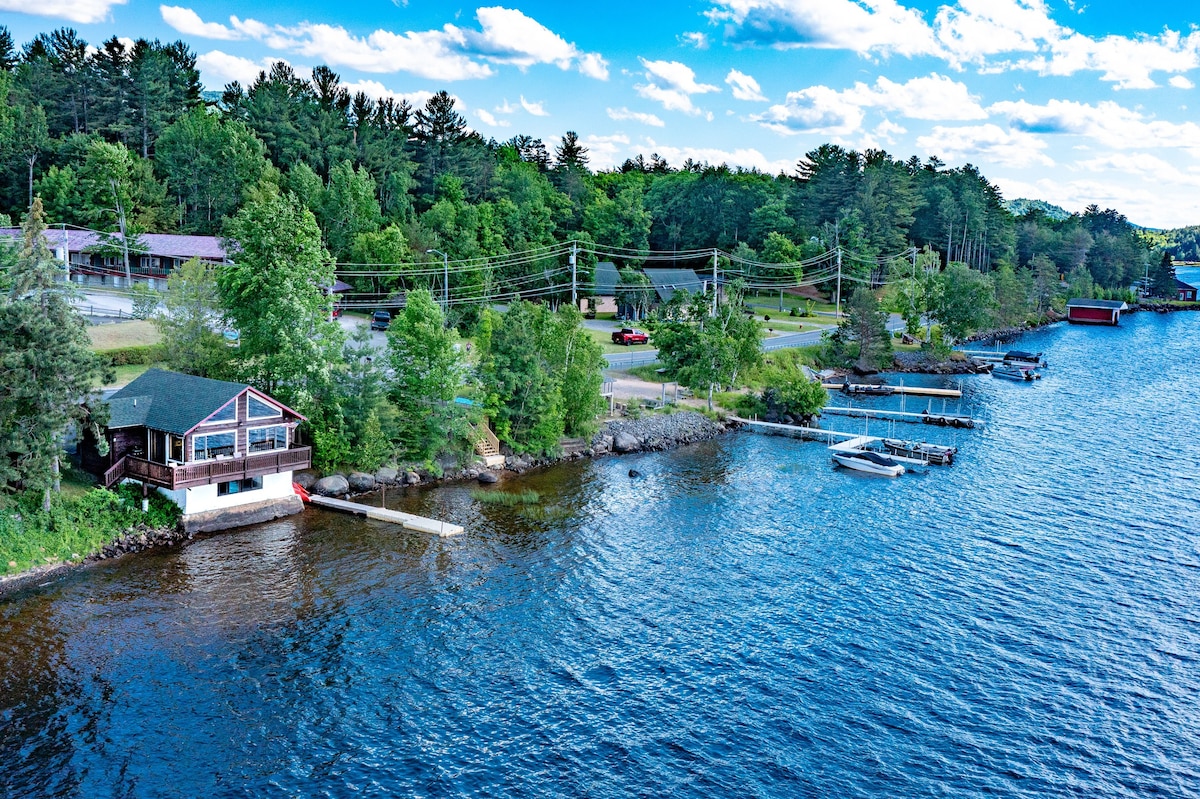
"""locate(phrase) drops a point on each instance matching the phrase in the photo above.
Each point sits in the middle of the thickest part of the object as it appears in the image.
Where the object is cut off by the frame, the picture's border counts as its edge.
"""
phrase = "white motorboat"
(1013, 372)
(866, 461)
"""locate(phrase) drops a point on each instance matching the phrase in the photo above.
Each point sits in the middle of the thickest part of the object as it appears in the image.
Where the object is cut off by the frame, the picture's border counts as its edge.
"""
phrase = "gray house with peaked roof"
(668, 281)
(210, 445)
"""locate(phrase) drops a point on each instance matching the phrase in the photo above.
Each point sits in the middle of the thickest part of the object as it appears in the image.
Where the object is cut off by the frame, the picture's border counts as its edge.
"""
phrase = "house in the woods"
(668, 281)
(1184, 291)
(224, 452)
(1084, 311)
(96, 259)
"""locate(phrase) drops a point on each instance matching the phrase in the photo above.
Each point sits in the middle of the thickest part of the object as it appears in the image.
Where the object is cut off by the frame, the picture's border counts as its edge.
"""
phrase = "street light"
(445, 280)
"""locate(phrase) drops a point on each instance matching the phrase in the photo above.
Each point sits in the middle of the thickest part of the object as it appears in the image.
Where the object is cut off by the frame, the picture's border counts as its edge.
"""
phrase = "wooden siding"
(189, 475)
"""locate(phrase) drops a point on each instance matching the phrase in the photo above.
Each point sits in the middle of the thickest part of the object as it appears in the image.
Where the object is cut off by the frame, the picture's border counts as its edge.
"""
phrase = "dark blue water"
(744, 621)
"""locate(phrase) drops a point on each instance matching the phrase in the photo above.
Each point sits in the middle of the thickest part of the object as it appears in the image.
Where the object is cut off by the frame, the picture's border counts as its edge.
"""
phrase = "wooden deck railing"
(189, 475)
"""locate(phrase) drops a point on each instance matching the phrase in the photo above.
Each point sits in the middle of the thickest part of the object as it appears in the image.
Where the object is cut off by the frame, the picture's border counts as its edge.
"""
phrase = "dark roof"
(1083, 302)
(606, 278)
(1179, 284)
(168, 245)
(169, 401)
(667, 281)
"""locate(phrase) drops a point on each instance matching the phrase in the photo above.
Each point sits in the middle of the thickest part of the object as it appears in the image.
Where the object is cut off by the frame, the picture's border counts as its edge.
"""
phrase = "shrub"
(142, 355)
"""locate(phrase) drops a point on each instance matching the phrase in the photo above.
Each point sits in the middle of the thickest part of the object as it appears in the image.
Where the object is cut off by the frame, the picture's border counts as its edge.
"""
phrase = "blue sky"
(1071, 102)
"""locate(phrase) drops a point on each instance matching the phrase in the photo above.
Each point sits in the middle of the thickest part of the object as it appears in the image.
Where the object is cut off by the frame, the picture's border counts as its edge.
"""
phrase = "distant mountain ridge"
(1022, 206)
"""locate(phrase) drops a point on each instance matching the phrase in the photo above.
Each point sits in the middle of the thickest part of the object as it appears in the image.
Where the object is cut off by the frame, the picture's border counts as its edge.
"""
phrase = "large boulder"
(626, 442)
(335, 485)
(361, 482)
(412, 478)
(386, 475)
(305, 480)
(487, 478)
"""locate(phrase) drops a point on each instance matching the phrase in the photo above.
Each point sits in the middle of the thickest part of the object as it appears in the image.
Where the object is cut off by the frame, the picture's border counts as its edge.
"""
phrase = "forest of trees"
(117, 127)
(307, 181)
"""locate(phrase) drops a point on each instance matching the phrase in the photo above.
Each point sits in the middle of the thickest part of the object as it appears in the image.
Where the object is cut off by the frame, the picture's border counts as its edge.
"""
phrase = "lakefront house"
(224, 452)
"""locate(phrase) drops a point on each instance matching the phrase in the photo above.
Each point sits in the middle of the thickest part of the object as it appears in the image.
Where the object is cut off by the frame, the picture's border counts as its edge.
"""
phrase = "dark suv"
(380, 320)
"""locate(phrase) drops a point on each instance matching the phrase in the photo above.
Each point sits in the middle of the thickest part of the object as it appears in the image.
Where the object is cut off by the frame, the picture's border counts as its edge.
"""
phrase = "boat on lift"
(861, 460)
(1014, 372)
(868, 389)
(930, 453)
(1025, 359)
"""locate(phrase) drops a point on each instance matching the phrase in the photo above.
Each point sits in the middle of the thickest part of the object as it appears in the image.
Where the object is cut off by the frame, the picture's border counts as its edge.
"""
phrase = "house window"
(176, 448)
(213, 445)
(226, 414)
(261, 439)
(238, 486)
(262, 410)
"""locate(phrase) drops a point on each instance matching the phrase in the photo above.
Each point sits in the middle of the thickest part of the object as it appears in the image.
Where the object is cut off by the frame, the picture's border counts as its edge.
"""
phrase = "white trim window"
(264, 439)
(258, 409)
(214, 445)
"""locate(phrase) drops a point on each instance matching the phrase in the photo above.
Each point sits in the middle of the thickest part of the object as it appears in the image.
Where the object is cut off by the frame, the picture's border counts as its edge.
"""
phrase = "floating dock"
(408, 521)
(940, 419)
(866, 390)
(849, 442)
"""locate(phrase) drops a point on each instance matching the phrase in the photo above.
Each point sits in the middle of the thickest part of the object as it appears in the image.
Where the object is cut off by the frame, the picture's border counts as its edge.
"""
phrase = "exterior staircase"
(486, 444)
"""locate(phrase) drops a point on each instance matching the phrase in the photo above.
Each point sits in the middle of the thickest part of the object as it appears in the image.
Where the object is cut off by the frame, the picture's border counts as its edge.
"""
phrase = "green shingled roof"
(667, 281)
(169, 401)
(606, 278)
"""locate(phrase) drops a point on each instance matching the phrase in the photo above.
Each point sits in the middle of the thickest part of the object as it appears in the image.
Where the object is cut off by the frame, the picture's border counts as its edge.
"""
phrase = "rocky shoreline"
(651, 433)
(137, 539)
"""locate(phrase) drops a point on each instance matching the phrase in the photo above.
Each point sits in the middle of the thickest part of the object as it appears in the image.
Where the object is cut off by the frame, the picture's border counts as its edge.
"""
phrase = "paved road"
(625, 360)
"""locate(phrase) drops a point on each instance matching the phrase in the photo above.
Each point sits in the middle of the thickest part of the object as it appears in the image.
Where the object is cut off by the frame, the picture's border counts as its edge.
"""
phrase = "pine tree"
(1162, 277)
(50, 370)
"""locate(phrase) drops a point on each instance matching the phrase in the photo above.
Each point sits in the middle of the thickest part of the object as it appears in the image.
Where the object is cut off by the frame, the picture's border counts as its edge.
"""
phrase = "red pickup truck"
(627, 335)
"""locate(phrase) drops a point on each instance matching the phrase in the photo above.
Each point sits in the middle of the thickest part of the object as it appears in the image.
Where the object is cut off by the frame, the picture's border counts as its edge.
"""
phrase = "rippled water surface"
(744, 620)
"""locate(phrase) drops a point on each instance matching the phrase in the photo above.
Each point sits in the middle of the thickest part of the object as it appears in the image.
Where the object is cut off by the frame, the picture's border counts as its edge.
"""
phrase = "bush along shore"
(98, 525)
(654, 432)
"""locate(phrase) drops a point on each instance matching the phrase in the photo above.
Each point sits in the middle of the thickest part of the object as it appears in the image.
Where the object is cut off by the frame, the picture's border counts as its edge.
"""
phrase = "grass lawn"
(790, 325)
(138, 332)
(604, 338)
(126, 374)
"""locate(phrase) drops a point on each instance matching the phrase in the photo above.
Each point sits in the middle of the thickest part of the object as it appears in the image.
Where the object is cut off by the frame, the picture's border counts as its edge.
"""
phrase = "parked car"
(629, 335)
(381, 320)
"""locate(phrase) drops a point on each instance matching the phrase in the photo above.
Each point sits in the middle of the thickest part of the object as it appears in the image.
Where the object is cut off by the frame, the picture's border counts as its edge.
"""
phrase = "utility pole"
(574, 287)
(838, 312)
(714, 308)
(912, 290)
(445, 280)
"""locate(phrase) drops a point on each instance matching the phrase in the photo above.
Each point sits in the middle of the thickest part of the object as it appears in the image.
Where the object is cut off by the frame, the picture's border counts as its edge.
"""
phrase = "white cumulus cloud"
(989, 142)
(504, 36)
(744, 87)
(862, 26)
(85, 12)
(218, 69)
(623, 113)
(672, 84)
(487, 119)
(536, 109)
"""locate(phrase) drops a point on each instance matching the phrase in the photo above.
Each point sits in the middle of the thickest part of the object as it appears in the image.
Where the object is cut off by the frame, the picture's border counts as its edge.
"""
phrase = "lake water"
(744, 620)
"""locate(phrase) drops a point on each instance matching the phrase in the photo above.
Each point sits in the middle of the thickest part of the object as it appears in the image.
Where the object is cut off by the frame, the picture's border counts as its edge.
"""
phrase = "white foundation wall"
(202, 499)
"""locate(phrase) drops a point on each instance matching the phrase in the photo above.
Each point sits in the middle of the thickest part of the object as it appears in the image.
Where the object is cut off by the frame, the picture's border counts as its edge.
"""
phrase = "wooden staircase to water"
(486, 444)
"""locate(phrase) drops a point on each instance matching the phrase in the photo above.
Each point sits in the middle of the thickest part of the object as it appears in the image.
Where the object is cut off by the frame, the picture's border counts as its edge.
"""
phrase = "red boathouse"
(1095, 312)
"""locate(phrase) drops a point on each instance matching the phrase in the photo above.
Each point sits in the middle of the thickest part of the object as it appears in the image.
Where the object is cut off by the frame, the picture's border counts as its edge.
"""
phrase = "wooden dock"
(408, 521)
(940, 419)
(952, 393)
(849, 442)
